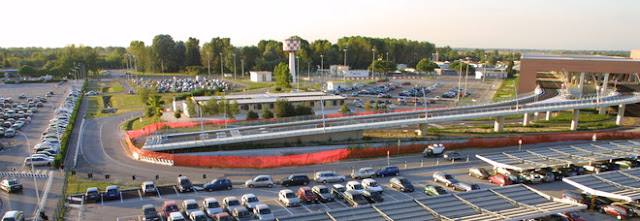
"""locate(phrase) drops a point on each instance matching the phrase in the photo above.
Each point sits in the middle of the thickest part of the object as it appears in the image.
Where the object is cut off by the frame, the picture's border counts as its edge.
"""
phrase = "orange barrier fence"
(340, 154)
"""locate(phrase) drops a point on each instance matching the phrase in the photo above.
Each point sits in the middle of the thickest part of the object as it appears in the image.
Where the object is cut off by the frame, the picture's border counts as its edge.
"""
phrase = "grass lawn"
(79, 185)
(566, 116)
(106, 87)
(510, 117)
(146, 121)
(506, 89)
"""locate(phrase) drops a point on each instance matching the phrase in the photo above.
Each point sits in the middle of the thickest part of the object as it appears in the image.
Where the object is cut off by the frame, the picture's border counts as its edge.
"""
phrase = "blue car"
(388, 171)
(112, 193)
(218, 184)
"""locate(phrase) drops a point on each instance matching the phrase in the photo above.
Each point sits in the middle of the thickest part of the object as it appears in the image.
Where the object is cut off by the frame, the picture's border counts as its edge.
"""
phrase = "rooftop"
(578, 57)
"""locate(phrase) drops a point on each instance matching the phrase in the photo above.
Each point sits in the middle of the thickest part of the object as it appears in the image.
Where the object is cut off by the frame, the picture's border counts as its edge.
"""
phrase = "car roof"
(148, 182)
(169, 203)
(286, 191)
(211, 199)
(353, 181)
(112, 187)
(176, 215)
(249, 195)
(92, 189)
(230, 198)
(366, 168)
(305, 188)
(197, 213)
(262, 206)
(338, 185)
(148, 206)
(190, 201)
(12, 213)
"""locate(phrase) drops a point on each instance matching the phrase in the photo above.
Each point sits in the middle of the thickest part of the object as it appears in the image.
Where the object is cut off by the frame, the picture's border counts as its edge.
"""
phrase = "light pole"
(520, 145)
(297, 72)
(224, 106)
(322, 70)
(234, 66)
(32, 170)
(373, 62)
(221, 68)
(345, 65)
(242, 67)
(209, 64)
(387, 56)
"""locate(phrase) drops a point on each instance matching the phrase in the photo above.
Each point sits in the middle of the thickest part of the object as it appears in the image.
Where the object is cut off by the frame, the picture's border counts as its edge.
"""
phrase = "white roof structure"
(619, 184)
(578, 57)
(562, 155)
(272, 97)
(516, 202)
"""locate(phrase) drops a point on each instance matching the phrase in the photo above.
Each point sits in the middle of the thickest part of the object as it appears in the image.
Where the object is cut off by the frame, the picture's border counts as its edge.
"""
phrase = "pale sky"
(539, 24)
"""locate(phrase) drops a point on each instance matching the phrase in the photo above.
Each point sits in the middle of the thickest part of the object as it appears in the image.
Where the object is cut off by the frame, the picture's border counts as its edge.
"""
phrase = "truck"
(433, 150)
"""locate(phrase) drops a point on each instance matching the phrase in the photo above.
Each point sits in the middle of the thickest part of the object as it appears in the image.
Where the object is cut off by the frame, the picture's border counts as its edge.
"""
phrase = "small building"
(261, 76)
(259, 102)
(401, 66)
(491, 73)
(358, 73)
(332, 85)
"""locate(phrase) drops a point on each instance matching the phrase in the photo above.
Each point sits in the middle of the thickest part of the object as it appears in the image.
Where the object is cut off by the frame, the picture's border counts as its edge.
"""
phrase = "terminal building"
(258, 102)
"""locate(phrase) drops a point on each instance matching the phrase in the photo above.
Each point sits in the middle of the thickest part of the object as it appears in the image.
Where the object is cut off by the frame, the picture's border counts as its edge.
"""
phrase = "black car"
(149, 213)
(402, 184)
(11, 185)
(184, 184)
(354, 198)
(295, 179)
(372, 196)
(337, 190)
(92, 194)
(451, 155)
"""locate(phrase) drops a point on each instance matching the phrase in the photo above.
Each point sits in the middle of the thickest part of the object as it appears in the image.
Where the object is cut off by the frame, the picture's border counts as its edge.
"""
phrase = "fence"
(341, 154)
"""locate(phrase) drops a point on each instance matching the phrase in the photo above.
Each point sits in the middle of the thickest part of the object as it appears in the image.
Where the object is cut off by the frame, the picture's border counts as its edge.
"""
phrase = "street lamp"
(221, 68)
(234, 66)
(209, 64)
(297, 72)
(322, 69)
(373, 62)
(309, 70)
(242, 67)
(345, 65)
(520, 145)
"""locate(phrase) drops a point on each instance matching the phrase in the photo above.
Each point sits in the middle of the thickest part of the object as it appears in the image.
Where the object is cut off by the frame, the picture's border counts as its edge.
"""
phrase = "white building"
(358, 73)
(338, 70)
(332, 85)
(261, 76)
(491, 73)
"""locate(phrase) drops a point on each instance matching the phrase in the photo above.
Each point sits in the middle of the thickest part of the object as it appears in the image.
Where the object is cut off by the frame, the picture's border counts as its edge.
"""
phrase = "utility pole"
(221, 68)
(309, 70)
(234, 66)
(345, 65)
(242, 67)
(373, 62)
(209, 64)
(297, 72)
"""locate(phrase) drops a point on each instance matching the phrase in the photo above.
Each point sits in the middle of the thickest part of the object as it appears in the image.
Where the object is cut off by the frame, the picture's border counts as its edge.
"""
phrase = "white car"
(355, 185)
(211, 206)
(37, 161)
(249, 200)
(366, 172)
(259, 181)
(189, 206)
(328, 177)
(198, 216)
(288, 198)
(372, 185)
(262, 211)
(230, 203)
(41, 155)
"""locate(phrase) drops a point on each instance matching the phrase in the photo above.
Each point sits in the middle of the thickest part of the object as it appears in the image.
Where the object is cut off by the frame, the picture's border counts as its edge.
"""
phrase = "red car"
(306, 195)
(170, 207)
(618, 211)
(500, 179)
(573, 216)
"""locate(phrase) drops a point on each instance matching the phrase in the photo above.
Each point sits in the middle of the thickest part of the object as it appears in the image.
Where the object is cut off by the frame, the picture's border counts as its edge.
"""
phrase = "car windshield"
(213, 205)
(440, 190)
(192, 206)
(13, 182)
(308, 192)
(185, 182)
(357, 187)
(265, 211)
(405, 181)
(448, 176)
(243, 214)
(172, 208)
(475, 187)
(323, 190)
(149, 211)
(374, 194)
(341, 189)
(357, 197)
(252, 199)
(373, 184)
(291, 195)
(111, 191)
(234, 203)
(149, 186)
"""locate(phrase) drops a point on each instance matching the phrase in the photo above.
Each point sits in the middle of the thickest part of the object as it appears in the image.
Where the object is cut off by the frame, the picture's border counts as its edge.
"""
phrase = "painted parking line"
(407, 195)
(128, 218)
(325, 206)
(121, 196)
(194, 190)
(303, 206)
(101, 200)
(177, 193)
(390, 196)
(158, 191)
(140, 195)
(341, 203)
(284, 207)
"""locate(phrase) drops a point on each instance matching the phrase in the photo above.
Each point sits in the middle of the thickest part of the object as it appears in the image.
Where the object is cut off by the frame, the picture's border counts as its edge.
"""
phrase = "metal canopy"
(619, 184)
(563, 155)
(515, 202)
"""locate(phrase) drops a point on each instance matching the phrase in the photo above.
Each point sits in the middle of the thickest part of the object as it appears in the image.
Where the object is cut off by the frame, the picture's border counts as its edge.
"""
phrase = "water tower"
(292, 46)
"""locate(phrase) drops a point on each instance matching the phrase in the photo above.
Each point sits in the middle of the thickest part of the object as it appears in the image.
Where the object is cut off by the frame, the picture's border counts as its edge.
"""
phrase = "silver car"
(37, 161)
(262, 212)
(366, 172)
(328, 177)
(259, 181)
(211, 206)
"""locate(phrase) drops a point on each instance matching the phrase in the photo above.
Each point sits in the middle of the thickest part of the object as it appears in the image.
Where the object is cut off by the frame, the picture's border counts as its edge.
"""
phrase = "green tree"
(27, 71)
(426, 66)
(283, 76)
(155, 108)
(267, 114)
(510, 71)
(143, 94)
(191, 108)
(383, 66)
(177, 114)
(251, 115)
(461, 67)
(345, 108)
(283, 108)
(163, 53)
(192, 56)
(301, 110)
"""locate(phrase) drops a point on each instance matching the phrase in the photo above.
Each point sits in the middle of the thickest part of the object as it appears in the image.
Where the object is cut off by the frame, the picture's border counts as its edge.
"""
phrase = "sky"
(539, 24)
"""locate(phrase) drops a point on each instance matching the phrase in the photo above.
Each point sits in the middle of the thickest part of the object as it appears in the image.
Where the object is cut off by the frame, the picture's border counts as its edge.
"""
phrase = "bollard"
(467, 158)
(437, 162)
(133, 177)
(90, 175)
(204, 176)
(106, 176)
(157, 176)
(453, 161)
(421, 163)
(73, 172)
(353, 169)
(405, 164)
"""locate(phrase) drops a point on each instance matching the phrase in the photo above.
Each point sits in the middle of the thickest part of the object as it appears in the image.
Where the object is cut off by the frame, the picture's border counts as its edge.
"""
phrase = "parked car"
(189, 206)
(259, 181)
(388, 171)
(366, 172)
(598, 203)
(633, 209)
(92, 194)
(223, 216)
(531, 178)
(288, 198)
(372, 185)
(11, 185)
(149, 213)
(574, 196)
(249, 200)
(37, 161)
(596, 168)
(112, 193)
(337, 190)
(294, 180)
(148, 188)
(354, 185)
(241, 214)
(479, 172)
(328, 177)
(451, 155)
(169, 207)
(306, 194)
(211, 206)
(354, 198)
(184, 184)
(445, 178)
(263, 212)
(617, 211)
(434, 190)
(13, 215)
(402, 184)
(230, 203)
(198, 216)
(372, 196)
(500, 179)
(218, 184)
(323, 193)
(176, 217)
(466, 187)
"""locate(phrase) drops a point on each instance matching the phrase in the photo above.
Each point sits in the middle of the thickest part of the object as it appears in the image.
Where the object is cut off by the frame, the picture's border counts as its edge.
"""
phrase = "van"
(13, 215)
(148, 188)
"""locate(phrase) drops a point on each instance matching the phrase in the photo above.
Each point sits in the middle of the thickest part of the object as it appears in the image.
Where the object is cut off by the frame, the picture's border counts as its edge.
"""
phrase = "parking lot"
(128, 208)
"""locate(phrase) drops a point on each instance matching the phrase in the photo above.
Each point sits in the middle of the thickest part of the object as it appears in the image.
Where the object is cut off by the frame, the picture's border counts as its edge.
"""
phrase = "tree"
(143, 94)
(177, 114)
(283, 108)
(367, 106)
(266, 114)
(426, 66)
(155, 108)
(383, 66)
(510, 71)
(192, 56)
(191, 108)
(283, 76)
(345, 108)
(251, 115)
(302, 110)
(461, 67)
(27, 71)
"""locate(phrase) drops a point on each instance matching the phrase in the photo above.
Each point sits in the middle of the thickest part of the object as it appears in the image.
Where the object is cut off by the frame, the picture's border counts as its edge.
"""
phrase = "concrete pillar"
(525, 122)
(605, 82)
(574, 119)
(620, 115)
(581, 86)
(498, 125)
(548, 117)
(422, 129)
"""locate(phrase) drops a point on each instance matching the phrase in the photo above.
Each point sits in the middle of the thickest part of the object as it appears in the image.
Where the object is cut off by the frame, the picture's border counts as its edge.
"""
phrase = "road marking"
(121, 195)
(194, 190)
(127, 217)
(390, 196)
(285, 207)
(79, 141)
(43, 200)
(325, 206)
(302, 204)
(140, 195)
(174, 188)
(101, 200)
(157, 191)
(341, 203)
